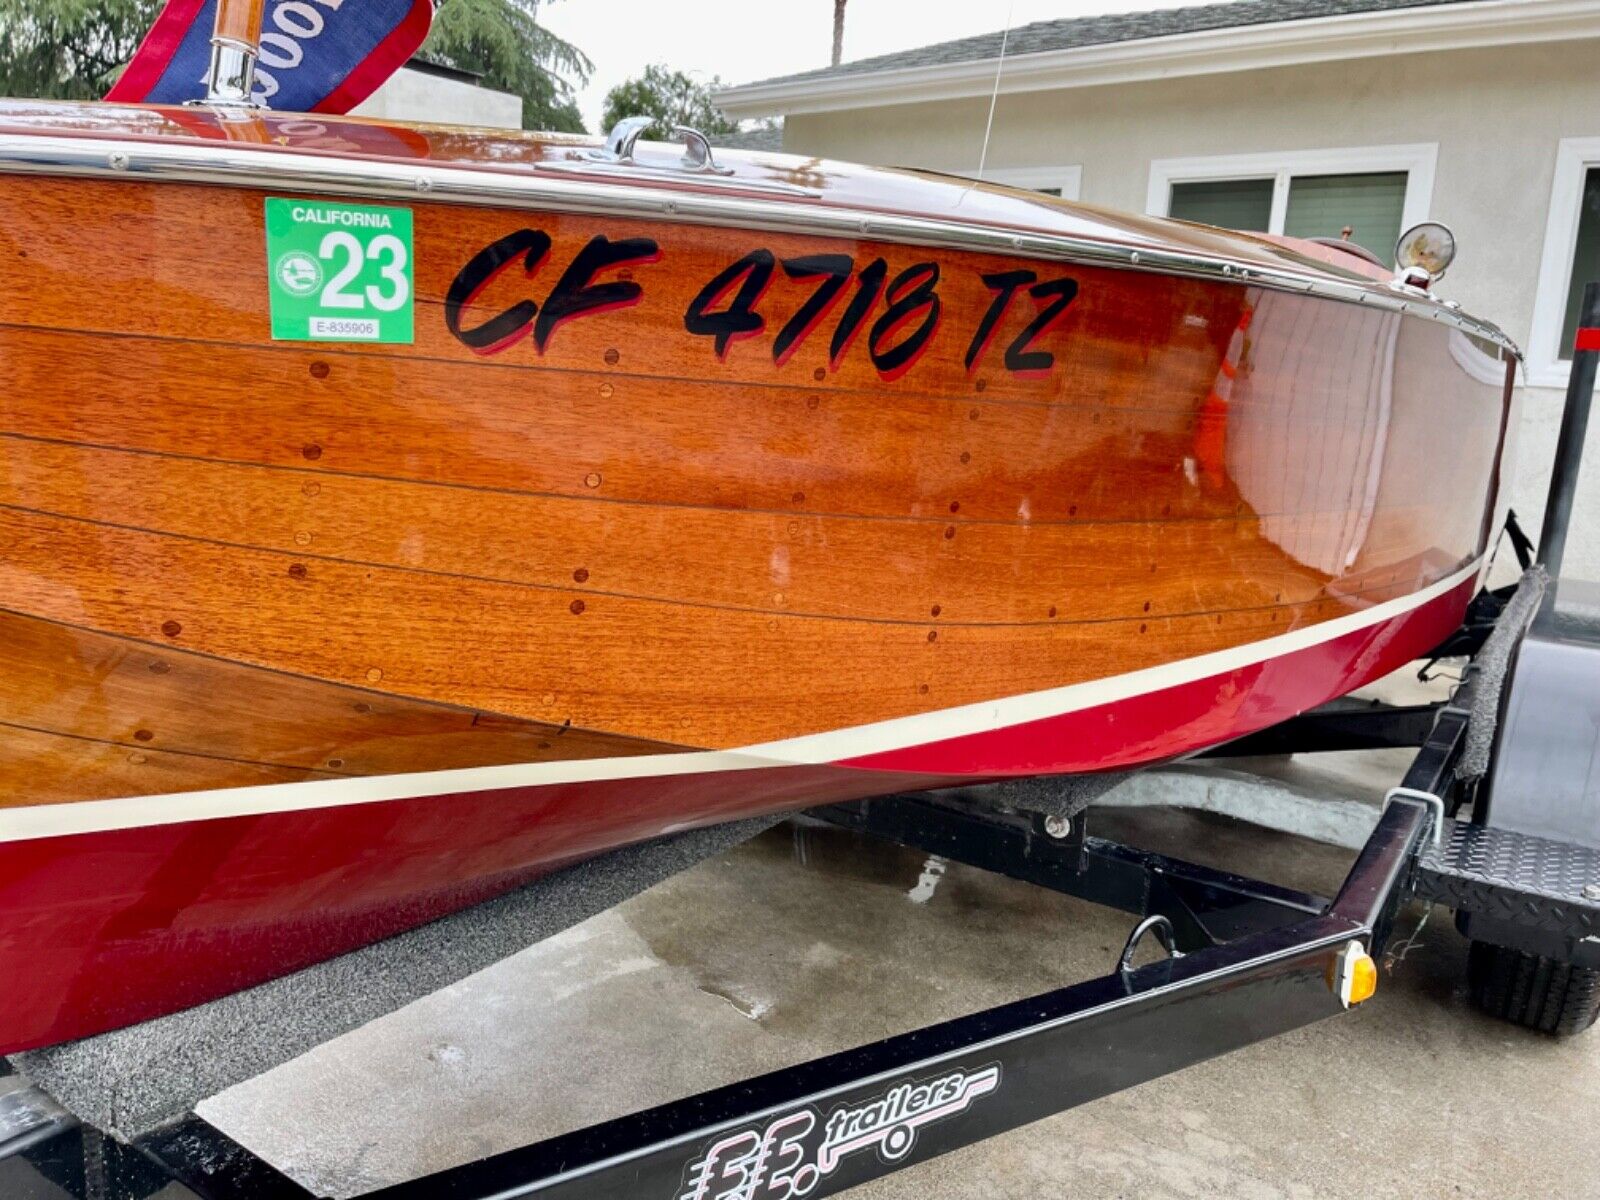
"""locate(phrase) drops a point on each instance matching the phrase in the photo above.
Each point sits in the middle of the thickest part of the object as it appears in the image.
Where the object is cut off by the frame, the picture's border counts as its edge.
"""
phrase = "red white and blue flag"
(316, 55)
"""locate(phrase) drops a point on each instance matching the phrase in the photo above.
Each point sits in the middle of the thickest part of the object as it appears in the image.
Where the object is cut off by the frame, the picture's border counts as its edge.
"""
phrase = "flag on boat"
(316, 55)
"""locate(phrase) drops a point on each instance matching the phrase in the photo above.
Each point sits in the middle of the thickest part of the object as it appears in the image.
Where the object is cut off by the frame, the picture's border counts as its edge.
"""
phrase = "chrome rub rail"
(277, 170)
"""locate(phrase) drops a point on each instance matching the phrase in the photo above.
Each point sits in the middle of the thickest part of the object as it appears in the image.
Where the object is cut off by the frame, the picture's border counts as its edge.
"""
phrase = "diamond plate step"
(1515, 877)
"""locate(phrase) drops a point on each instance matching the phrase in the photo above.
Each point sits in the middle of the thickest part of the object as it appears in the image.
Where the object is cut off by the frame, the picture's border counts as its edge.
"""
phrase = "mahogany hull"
(303, 644)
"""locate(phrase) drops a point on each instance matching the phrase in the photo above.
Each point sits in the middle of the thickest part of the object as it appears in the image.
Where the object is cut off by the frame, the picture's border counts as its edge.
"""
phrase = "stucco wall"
(409, 95)
(1495, 114)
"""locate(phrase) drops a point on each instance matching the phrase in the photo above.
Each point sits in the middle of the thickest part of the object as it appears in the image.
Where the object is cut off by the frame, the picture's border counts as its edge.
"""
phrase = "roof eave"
(1205, 52)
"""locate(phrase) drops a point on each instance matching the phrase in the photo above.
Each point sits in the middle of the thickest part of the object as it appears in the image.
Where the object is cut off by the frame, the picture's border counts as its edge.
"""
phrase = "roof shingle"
(1072, 32)
(767, 137)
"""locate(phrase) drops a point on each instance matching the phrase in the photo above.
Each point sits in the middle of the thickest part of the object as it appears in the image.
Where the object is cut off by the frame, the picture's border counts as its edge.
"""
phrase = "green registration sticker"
(338, 272)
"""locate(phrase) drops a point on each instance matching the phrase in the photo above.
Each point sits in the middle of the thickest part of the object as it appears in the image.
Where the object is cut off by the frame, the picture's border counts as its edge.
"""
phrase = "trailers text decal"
(795, 1152)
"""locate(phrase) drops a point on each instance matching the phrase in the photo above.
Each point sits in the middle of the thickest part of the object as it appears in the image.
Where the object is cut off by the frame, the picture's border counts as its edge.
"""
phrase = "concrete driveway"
(808, 940)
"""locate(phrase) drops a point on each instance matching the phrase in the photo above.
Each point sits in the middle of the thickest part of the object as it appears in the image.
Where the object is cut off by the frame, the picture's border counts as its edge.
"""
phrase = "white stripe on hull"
(91, 816)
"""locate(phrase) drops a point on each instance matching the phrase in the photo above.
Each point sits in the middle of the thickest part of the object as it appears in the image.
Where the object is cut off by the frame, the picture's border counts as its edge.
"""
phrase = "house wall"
(409, 95)
(1495, 114)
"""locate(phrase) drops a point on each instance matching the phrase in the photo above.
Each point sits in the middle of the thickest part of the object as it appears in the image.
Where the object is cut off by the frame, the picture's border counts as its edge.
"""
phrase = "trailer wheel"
(1533, 991)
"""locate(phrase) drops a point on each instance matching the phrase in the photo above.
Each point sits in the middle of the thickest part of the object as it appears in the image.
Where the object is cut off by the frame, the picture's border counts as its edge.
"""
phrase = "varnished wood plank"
(38, 767)
(711, 445)
(72, 692)
(583, 436)
(727, 680)
(971, 572)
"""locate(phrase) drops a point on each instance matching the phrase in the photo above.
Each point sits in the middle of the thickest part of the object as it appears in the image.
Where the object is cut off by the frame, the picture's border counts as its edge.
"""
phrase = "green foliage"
(68, 49)
(501, 41)
(671, 97)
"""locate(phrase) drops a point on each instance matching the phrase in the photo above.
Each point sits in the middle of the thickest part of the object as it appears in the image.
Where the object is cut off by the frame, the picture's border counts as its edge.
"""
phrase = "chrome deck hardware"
(235, 47)
(697, 153)
(695, 163)
(624, 136)
(231, 77)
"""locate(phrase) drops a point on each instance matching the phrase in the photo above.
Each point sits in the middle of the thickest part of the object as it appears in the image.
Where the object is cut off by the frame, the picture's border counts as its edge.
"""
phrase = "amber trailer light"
(1353, 975)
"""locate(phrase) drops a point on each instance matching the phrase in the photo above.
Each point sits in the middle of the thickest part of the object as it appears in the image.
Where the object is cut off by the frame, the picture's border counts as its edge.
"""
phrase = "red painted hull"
(107, 928)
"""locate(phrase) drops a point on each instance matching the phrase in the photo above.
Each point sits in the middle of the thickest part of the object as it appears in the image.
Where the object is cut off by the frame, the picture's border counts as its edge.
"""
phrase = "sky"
(746, 40)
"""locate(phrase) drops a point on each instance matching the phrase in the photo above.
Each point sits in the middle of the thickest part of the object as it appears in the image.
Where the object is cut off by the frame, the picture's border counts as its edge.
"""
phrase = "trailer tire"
(1533, 991)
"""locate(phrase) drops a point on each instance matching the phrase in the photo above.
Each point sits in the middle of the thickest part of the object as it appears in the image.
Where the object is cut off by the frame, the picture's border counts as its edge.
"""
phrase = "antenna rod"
(994, 96)
(235, 45)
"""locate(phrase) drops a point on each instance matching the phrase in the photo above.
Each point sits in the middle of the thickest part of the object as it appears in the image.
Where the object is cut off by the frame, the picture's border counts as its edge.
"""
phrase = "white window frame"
(1069, 179)
(1417, 159)
(1574, 158)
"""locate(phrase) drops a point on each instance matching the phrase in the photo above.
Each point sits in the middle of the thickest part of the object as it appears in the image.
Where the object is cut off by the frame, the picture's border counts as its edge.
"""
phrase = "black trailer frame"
(1244, 960)
(1251, 960)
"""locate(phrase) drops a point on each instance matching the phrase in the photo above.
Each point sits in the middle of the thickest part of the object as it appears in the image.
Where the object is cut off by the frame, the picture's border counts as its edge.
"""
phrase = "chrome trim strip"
(634, 170)
(241, 165)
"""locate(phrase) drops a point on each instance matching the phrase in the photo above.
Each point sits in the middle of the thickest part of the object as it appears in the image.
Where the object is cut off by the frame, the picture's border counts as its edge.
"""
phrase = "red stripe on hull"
(105, 929)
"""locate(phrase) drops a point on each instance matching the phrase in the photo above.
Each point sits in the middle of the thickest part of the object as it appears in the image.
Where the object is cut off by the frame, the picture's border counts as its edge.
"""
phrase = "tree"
(74, 49)
(838, 31)
(503, 42)
(671, 97)
(68, 49)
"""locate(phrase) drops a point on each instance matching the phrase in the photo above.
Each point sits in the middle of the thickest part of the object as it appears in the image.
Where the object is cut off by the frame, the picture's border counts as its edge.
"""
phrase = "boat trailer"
(1510, 843)
(1242, 960)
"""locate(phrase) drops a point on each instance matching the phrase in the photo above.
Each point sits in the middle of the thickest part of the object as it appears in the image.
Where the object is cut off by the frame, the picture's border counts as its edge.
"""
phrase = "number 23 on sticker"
(339, 272)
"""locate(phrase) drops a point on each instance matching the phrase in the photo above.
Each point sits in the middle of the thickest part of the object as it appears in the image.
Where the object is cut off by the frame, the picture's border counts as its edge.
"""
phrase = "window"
(1585, 258)
(1232, 203)
(1371, 206)
(1571, 259)
(1050, 181)
(1375, 192)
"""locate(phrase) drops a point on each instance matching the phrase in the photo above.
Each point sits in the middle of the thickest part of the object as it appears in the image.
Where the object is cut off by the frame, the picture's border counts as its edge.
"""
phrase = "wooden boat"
(694, 490)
